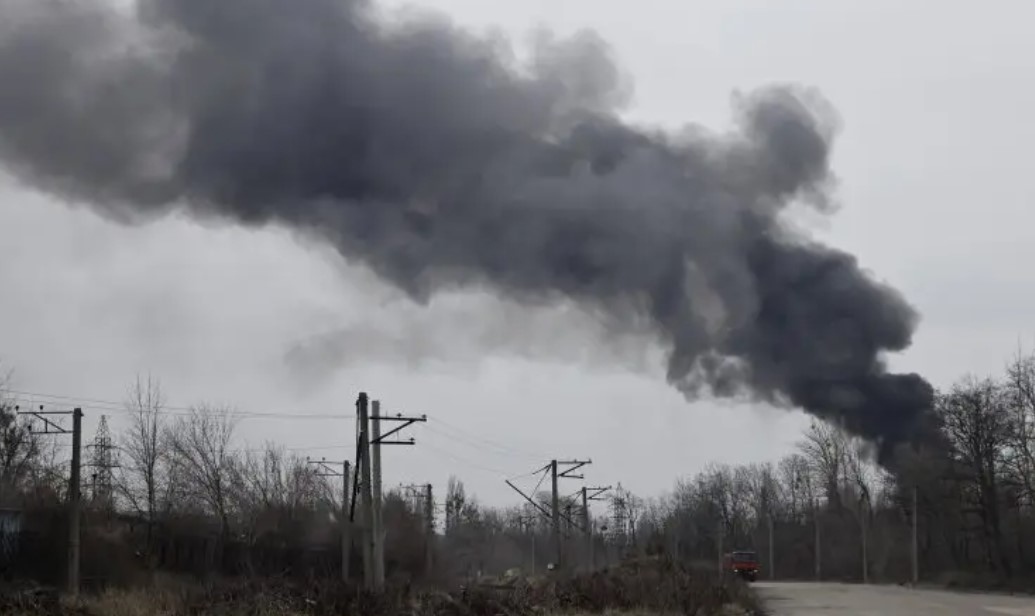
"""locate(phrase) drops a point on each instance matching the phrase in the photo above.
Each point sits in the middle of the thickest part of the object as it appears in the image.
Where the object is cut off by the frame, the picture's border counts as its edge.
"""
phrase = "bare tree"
(796, 479)
(273, 486)
(145, 451)
(979, 426)
(203, 462)
(456, 503)
(763, 490)
(1020, 389)
(26, 462)
(826, 448)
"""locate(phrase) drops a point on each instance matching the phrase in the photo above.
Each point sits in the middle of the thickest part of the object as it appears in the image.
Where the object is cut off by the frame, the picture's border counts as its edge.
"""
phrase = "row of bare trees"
(825, 510)
(833, 512)
(188, 463)
(980, 490)
(829, 483)
(177, 468)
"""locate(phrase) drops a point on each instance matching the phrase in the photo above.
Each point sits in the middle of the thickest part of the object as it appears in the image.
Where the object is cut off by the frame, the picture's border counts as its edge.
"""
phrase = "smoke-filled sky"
(916, 158)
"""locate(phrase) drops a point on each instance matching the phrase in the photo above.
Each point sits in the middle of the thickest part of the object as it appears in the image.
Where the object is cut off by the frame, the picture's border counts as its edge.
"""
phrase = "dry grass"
(642, 588)
(655, 585)
(135, 602)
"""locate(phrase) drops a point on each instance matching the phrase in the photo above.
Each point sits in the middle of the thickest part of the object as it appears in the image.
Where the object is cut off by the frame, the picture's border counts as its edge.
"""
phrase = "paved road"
(805, 599)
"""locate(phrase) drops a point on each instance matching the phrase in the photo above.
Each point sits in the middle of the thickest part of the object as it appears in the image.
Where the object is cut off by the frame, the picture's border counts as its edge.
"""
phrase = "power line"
(172, 410)
(291, 449)
(476, 465)
(481, 447)
(250, 449)
(456, 458)
(493, 444)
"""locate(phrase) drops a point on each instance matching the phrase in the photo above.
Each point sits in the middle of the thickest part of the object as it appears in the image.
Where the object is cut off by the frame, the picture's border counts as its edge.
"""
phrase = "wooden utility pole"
(378, 526)
(367, 516)
(74, 484)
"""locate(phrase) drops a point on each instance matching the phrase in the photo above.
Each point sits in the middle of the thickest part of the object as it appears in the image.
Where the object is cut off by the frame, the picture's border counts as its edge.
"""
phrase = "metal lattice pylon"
(103, 464)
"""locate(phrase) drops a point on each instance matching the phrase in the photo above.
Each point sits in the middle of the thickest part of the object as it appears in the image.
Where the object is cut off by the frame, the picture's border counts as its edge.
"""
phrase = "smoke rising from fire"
(439, 160)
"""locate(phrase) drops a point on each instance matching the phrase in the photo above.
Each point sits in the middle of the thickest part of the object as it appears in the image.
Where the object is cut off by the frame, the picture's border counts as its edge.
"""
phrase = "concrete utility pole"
(532, 529)
(589, 495)
(74, 504)
(555, 507)
(346, 523)
(423, 494)
(916, 545)
(772, 548)
(367, 514)
(378, 526)
(677, 541)
(819, 557)
(719, 532)
(74, 487)
(377, 438)
(429, 532)
(587, 529)
(555, 515)
(865, 548)
(326, 469)
(569, 531)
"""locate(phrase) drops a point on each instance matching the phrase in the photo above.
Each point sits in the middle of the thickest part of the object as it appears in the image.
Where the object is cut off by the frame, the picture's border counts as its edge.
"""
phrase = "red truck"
(743, 563)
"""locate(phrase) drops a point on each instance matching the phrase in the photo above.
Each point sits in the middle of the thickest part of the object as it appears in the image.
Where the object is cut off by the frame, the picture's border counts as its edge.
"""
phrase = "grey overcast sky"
(936, 184)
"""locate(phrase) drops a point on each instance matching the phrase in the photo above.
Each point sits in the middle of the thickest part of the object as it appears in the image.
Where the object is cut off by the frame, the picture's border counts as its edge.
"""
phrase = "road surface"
(807, 599)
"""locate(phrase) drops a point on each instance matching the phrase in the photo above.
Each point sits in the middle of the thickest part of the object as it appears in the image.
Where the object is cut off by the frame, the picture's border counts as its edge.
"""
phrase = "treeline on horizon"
(186, 497)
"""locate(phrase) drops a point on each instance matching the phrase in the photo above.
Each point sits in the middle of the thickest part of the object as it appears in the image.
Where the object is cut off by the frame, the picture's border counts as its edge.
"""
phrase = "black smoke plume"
(439, 159)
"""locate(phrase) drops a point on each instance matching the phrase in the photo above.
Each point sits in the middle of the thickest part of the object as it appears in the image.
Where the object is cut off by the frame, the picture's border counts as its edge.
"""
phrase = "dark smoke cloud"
(439, 160)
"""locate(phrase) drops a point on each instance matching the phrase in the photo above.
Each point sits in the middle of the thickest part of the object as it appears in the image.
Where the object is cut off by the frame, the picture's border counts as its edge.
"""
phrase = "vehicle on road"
(743, 563)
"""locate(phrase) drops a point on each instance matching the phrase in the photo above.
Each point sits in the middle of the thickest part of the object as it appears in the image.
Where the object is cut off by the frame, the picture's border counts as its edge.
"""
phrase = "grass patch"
(640, 588)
